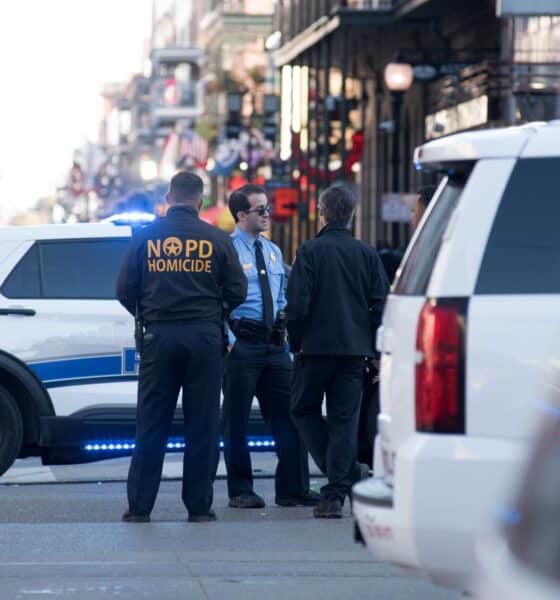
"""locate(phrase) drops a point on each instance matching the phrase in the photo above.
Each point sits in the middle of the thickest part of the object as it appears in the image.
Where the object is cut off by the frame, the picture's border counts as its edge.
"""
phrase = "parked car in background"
(470, 333)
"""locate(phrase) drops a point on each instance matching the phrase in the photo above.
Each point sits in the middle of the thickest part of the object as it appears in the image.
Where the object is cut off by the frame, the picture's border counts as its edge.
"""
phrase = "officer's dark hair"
(239, 199)
(425, 194)
(338, 204)
(185, 188)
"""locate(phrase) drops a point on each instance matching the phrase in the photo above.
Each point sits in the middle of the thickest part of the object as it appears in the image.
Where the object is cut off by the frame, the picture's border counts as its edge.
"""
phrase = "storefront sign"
(285, 202)
(465, 115)
(527, 8)
(397, 208)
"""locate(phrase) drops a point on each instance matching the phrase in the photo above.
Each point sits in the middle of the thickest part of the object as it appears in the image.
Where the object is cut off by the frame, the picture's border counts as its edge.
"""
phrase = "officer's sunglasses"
(260, 210)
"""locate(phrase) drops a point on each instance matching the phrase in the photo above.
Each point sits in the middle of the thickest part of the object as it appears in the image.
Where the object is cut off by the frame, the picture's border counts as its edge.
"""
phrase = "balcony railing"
(475, 96)
(172, 100)
(369, 4)
(297, 15)
(496, 79)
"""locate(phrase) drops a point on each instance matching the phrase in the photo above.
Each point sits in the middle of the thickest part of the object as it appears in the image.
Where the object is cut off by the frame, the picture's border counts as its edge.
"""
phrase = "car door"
(67, 325)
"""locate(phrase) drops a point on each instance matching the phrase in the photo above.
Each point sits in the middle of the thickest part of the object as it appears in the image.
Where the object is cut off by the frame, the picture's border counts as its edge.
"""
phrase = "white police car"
(68, 367)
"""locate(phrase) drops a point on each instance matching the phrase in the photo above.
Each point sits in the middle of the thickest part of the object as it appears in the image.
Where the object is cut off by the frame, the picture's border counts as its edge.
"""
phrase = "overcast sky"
(55, 56)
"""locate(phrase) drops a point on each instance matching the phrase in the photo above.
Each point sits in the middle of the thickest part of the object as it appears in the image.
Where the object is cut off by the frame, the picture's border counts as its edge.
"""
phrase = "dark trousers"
(333, 441)
(261, 370)
(187, 355)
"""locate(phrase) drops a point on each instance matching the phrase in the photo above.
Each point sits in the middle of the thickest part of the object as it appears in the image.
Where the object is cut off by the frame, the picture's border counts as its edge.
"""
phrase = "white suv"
(469, 335)
(68, 366)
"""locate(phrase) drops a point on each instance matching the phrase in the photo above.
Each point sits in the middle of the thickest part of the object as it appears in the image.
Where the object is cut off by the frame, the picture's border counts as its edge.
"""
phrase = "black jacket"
(181, 268)
(336, 293)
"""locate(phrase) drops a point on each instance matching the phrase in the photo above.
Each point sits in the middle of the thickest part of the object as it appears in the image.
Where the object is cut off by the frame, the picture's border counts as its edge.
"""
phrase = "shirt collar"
(182, 210)
(247, 239)
(333, 229)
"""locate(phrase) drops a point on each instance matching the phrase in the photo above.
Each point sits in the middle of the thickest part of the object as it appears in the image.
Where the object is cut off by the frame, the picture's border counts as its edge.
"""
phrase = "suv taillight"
(440, 368)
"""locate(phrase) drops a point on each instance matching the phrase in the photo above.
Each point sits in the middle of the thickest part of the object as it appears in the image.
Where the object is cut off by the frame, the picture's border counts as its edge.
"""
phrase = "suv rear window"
(417, 268)
(523, 251)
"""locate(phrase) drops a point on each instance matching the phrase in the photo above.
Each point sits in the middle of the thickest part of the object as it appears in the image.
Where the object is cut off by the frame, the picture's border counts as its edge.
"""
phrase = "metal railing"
(369, 4)
(496, 79)
(173, 94)
(295, 16)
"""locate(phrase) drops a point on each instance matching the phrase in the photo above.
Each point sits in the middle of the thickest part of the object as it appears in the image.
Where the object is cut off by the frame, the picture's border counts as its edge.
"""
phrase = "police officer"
(335, 296)
(259, 363)
(176, 276)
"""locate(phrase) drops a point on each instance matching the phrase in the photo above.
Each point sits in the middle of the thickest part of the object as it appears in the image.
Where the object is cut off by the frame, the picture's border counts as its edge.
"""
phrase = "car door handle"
(24, 312)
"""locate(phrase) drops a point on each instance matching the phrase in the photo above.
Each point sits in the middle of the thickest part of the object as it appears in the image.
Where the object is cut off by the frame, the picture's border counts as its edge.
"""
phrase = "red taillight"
(440, 370)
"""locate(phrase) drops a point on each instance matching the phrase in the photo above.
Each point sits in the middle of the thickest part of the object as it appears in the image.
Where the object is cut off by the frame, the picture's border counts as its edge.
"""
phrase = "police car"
(68, 366)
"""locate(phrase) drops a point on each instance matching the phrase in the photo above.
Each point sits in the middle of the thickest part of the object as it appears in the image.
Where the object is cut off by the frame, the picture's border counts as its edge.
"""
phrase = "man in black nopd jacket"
(336, 293)
(178, 277)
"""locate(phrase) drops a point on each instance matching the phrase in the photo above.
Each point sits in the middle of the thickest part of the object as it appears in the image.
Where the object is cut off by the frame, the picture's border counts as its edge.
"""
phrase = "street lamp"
(398, 79)
(398, 76)
(148, 168)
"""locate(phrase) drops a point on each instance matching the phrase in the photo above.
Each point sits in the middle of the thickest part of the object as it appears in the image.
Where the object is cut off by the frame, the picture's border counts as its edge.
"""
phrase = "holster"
(138, 330)
(250, 330)
(256, 331)
(138, 334)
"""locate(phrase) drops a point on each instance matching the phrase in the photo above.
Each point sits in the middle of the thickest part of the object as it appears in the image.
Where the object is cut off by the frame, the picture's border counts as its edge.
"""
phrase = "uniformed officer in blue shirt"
(259, 364)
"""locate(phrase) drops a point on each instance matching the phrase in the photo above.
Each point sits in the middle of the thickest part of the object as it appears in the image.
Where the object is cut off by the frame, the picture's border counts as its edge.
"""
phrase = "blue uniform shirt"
(252, 308)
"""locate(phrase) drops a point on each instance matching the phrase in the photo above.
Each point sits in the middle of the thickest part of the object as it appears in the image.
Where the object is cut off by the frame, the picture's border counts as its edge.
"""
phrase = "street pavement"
(61, 537)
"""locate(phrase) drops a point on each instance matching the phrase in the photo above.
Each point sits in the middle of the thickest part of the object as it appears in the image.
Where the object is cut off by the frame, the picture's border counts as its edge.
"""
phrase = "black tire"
(11, 430)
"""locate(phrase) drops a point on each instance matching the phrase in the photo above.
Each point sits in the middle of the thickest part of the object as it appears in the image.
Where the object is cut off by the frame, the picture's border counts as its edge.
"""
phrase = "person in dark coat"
(335, 298)
(179, 277)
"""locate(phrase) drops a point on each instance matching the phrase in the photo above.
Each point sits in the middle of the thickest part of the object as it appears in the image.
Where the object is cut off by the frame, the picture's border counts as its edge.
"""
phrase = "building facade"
(470, 68)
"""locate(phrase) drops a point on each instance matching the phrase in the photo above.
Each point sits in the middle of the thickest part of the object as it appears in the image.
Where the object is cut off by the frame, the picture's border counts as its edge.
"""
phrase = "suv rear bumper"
(447, 491)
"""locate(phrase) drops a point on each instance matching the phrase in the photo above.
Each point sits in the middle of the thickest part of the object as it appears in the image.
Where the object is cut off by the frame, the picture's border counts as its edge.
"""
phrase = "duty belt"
(250, 330)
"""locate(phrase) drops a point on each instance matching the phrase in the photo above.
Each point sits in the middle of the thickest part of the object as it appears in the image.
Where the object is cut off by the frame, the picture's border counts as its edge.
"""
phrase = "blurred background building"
(366, 81)
(298, 95)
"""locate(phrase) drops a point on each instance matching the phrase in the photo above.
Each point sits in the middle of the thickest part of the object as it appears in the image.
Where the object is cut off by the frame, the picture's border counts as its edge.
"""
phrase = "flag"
(193, 146)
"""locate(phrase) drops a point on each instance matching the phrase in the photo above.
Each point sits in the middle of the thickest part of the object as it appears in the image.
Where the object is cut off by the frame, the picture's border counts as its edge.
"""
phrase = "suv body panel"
(448, 489)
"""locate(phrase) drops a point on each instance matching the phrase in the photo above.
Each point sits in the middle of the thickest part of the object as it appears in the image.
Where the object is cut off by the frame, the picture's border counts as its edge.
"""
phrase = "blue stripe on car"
(80, 368)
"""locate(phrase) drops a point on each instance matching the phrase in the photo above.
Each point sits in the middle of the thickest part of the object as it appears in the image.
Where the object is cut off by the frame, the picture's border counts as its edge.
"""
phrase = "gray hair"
(338, 204)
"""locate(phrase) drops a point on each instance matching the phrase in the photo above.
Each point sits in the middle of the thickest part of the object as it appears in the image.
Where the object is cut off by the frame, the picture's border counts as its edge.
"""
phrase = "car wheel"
(11, 430)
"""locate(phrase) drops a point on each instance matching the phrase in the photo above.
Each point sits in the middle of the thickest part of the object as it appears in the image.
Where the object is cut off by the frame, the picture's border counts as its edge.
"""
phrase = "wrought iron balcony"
(294, 17)
(369, 4)
(173, 100)
(175, 55)
(476, 96)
